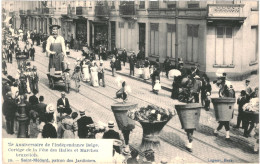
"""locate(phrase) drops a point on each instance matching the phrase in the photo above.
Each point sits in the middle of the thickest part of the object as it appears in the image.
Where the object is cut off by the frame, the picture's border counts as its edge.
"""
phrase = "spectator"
(9, 110)
(82, 124)
(41, 109)
(248, 89)
(49, 131)
(33, 100)
(113, 65)
(124, 56)
(32, 52)
(167, 65)
(132, 65)
(112, 134)
(241, 101)
(63, 103)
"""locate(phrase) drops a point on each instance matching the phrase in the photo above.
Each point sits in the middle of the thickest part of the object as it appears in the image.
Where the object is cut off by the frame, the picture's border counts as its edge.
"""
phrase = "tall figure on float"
(56, 48)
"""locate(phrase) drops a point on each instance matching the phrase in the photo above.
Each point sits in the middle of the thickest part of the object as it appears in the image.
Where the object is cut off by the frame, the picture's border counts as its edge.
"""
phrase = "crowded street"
(97, 101)
(159, 81)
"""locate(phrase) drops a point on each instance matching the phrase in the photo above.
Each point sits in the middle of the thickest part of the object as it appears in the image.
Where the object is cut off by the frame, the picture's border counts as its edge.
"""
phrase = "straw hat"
(117, 143)
(82, 112)
(50, 108)
(111, 124)
(52, 26)
(126, 151)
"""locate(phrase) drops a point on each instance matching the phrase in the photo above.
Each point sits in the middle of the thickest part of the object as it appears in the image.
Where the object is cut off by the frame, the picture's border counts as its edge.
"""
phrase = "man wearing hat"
(32, 52)
(82, 124)
(124, 56)
(35, 80)
(56, 48)
(62, 103)
(248, 89)
(112, 134)
(101, 73)
(41, 109)
(9, 109)
(132, 65)
(196, 88)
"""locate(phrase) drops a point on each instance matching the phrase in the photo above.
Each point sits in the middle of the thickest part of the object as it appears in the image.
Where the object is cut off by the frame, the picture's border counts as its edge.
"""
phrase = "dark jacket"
(9, 108)
(167, 65)
(132, 63)
(41, 109)
(111, 134)
(241, 102)
(33, 100)
(82, 126)
(124, 55)
(60, 102)
(49, 131)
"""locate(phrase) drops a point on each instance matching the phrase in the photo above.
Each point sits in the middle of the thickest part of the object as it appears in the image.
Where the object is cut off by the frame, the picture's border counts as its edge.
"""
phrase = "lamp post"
(176, 35)
(22, 118)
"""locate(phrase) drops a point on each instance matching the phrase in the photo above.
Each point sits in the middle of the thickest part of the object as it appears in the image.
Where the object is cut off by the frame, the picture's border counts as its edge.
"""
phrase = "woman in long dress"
(56, 48)
(68, 125)
(146, 69)
(85, 70)
(94, 75)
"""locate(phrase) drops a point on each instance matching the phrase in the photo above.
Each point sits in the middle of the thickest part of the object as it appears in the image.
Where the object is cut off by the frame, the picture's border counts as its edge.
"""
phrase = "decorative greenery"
(252, 106)
(151, 113)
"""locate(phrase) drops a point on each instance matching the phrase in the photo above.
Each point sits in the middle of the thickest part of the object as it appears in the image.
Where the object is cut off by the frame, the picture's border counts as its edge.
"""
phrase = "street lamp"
(22, 118)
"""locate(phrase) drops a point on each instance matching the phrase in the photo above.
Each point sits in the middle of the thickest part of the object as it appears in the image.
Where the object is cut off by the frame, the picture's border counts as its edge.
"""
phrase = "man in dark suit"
(82, 124)
(33, 100)
(41, 109)
(124, 56)
(9, 110)
(132, 65)
(112, 134)
(63, 103)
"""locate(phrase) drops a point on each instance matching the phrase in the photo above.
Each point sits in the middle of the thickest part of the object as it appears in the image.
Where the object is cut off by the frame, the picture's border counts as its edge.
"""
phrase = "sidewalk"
(167, 83)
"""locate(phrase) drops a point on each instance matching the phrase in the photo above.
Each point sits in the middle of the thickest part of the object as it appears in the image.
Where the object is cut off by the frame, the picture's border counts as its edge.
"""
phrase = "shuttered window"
(154, 41)
(192, 43)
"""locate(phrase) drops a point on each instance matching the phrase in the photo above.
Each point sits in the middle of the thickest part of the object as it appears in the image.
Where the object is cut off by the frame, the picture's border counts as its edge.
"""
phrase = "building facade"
(214, 34)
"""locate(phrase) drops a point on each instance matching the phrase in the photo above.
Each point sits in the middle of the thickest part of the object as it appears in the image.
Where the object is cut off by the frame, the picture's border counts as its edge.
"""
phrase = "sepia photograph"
(130, 81)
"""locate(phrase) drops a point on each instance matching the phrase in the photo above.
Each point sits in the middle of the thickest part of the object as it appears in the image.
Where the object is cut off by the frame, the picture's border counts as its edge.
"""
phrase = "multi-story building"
(215, 34)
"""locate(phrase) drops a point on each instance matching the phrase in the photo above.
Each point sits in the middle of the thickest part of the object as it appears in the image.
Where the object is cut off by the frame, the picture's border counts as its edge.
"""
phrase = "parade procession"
(168, 81)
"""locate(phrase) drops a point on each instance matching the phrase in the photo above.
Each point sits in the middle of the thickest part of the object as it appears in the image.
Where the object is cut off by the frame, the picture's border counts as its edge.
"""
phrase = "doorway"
(142, 37)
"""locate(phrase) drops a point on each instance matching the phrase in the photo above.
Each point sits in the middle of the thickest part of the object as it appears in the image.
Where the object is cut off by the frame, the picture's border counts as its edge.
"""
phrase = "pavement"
(97, 101)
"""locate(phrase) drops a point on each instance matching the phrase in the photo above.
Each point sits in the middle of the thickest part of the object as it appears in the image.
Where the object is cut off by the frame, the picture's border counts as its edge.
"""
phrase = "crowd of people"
(44, 121)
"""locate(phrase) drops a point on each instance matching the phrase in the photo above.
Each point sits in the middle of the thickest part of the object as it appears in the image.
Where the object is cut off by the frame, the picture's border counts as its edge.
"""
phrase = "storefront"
(101, 34)
(81, 30)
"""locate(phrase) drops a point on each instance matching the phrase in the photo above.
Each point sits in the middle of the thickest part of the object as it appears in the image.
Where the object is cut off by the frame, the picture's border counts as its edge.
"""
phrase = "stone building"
(214, 34)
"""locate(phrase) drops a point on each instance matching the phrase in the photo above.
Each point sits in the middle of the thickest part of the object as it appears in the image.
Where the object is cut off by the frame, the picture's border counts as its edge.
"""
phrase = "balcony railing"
(81, 11)
(102, 11)
(225, 10)
(48, 11)
(160, 12)
(21, 12)
(29, 12)
(127, 9)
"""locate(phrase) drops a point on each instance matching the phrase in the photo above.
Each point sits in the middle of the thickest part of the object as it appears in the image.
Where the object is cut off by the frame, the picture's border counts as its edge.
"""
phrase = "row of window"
(170, 4)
